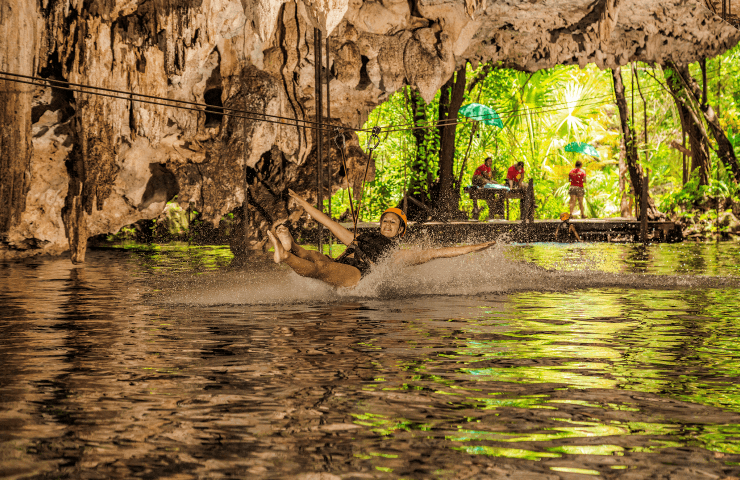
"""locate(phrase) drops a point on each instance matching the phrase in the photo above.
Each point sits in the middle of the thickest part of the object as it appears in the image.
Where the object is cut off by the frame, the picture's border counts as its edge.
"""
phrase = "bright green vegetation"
(544, 111)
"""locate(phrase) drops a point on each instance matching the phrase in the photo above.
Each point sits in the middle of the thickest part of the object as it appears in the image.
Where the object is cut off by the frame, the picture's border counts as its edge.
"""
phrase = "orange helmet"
(400, 214)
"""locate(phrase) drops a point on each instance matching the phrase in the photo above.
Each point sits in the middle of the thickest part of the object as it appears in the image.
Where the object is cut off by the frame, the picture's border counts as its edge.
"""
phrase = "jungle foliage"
(544, 111)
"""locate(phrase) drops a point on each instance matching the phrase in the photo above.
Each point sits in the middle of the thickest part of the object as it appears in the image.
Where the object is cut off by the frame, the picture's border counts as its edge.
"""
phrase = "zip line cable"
(107, 92)
(290, 122)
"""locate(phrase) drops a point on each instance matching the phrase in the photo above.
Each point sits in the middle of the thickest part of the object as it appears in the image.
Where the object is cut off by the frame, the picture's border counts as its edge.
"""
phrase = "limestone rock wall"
(74, 165)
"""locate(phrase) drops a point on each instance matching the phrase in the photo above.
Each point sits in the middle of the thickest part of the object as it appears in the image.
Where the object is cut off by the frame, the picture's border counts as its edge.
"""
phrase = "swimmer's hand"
(299, 200)
(295, 195)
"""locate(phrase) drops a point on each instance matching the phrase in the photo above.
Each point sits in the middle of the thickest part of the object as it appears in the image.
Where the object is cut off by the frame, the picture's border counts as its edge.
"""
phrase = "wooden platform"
(590, 230)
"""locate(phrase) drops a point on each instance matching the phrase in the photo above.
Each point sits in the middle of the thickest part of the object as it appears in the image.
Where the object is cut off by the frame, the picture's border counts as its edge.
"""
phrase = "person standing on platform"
(577, 179)
(515, 175)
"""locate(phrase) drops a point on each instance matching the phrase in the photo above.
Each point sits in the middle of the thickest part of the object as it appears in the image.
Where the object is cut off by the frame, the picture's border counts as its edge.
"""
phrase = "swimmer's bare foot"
(283, 234)
(280, 254)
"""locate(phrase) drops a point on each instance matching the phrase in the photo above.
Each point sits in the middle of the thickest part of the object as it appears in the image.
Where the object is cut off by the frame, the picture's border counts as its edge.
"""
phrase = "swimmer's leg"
(335, 274)
(286, 239)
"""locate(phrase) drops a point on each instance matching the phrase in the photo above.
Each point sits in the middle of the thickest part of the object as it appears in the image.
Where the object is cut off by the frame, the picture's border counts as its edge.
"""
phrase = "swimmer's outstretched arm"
(342, 234)
(417, 257)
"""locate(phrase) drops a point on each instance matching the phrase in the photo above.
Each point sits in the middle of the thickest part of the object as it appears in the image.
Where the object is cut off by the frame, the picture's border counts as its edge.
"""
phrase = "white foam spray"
(489, 271)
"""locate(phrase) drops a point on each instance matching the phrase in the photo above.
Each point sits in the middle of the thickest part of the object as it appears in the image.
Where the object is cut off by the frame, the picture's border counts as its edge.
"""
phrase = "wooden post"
(643, 208)
(319, 132)
(530, 201)
(683, 153)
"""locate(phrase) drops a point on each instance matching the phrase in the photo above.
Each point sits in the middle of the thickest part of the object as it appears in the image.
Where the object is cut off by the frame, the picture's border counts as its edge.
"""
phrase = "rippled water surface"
(540, 362)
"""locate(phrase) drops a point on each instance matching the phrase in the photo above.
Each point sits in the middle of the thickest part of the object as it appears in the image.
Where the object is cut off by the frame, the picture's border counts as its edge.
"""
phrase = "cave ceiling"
(76, 165)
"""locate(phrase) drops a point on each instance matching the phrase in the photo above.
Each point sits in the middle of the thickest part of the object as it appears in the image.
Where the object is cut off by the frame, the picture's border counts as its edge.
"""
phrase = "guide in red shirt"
(577, 179)
(515, 174)
(481, 177)
(482, 174)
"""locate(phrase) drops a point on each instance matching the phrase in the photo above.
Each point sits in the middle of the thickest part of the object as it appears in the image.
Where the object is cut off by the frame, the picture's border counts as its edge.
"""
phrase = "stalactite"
(86, 170)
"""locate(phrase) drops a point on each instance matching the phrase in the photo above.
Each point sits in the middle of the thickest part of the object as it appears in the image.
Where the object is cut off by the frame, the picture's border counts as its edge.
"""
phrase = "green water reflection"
(664, 259)
(617, 371)
(176, 257)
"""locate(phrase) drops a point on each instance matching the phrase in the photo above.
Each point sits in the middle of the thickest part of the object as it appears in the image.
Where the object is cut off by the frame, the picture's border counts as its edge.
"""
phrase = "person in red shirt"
(515, 174)
(481, 177)
(483, 174)
(577, 179)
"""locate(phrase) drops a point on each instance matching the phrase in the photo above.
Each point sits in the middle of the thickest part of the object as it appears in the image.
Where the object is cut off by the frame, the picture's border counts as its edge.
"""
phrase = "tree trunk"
(628, 134)
(698, 141)
(625, 204)
(449, 104)
(725, 150)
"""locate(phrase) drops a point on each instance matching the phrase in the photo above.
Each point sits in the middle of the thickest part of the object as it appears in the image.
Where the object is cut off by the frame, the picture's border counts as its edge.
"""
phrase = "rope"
(372, 143)
(174, 103)
(346, 171)
(280, 120)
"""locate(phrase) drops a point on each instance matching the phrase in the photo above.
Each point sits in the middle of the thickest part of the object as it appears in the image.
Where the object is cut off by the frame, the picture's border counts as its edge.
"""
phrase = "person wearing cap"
(362, 251)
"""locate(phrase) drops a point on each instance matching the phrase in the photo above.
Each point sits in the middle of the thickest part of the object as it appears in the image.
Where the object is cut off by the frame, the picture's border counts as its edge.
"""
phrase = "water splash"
(495, 270)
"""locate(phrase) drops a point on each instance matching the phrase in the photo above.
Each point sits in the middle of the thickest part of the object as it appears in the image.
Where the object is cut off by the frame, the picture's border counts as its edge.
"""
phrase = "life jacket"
(368, 248)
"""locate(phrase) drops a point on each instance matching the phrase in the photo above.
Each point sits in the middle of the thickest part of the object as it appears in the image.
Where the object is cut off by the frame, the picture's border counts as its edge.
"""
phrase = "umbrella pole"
(470, 142)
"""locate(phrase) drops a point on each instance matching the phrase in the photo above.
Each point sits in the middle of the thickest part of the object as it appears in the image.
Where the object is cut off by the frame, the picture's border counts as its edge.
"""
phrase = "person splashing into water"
(362, 251)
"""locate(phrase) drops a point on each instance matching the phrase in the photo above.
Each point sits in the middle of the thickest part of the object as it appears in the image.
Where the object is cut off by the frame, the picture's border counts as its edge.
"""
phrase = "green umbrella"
(481, 113)
(581, 147)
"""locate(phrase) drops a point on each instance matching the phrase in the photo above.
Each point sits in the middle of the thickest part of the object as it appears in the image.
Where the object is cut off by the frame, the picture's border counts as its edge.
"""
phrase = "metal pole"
(245, 204)
(719, 100)
(685, 176)
(638, 201)
(716, 222)
(319, 132)
(643, 208)
(645, 178)
(328, 144)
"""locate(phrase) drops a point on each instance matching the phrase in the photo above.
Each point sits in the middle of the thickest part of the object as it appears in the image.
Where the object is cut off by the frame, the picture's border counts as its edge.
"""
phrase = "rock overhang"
(261, 52)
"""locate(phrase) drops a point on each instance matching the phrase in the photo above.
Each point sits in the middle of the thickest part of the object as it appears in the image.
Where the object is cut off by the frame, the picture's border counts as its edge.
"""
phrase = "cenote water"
(525, 361)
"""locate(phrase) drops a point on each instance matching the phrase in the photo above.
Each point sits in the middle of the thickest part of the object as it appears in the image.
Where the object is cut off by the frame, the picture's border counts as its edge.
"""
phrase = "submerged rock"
(74, 165)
